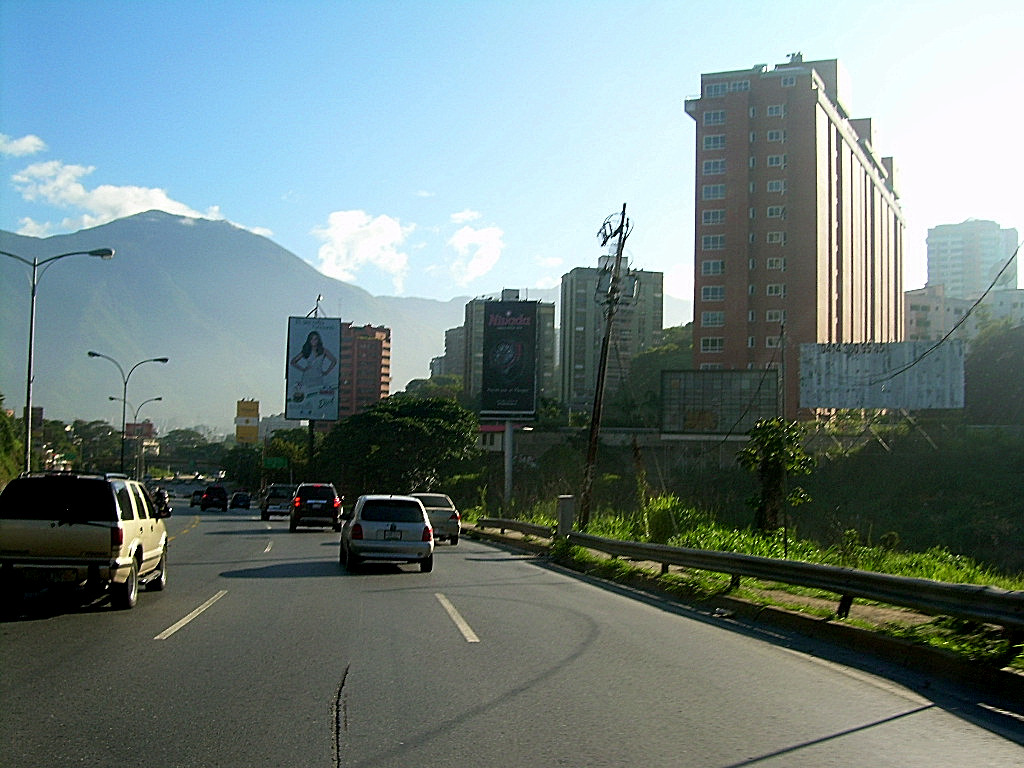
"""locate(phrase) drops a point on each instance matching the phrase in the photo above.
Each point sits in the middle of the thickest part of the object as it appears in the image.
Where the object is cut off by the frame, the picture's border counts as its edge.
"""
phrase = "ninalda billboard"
(311, 387)
(509, 377)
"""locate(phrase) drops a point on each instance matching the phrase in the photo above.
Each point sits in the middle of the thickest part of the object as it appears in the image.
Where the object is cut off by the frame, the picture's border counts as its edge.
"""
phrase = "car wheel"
(341, 556)
(158, 583)
(264, 516)
(292, 524)
(427, 564)
(124, 596)
(352, 562)
(454, 539)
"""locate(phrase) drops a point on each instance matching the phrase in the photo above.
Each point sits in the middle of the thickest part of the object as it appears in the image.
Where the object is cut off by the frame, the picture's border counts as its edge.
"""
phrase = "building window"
(712, 344)
(714, 117)
(775, 316)
(714, 141)
(713, 167)
(776, 289)
(712, 242)
(712, 192)
(776, 211)
(776, 262)
(777, 185)
(776, 110)
(788, 82)
(710, 366)
(716, 89)
(776, 136)
(776, 161)
(713, 216)
(776, 238)
(752, 264)
(752, 212)
(712, 293)
(751, 316)
(712, 319)
(712, 267)
(752, 162)
(753, 136)
(772, 342)
(751, 342)
(751, 289)
(739, 85)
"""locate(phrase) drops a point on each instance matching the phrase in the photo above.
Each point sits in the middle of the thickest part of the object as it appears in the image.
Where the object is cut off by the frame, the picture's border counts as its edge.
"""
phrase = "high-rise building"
(965, 258)
(636, 327)
(472, 335)
(799, 232)
(364, 367)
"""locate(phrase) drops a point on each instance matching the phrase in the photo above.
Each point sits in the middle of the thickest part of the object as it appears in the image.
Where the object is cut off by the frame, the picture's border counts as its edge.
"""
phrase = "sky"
(440, 149)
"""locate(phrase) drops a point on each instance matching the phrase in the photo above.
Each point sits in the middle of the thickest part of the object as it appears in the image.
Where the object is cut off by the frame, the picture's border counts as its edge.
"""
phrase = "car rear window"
(71, 499)
(434, 500)
(317, 492)
(392, 512)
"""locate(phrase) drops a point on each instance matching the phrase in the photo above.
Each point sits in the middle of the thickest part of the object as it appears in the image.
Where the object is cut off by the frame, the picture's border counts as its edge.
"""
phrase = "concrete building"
(472, 335)
(932, 315)
(364, 367)
(637, 327)
(965, 258)
(798, 232)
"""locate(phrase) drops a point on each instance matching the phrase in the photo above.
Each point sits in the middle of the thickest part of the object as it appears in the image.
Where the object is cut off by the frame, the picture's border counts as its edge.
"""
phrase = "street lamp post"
(37, 273)
(138, 458)
(124, 380)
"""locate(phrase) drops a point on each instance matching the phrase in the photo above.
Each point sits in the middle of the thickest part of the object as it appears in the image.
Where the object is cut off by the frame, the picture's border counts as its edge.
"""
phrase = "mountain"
(213, 298)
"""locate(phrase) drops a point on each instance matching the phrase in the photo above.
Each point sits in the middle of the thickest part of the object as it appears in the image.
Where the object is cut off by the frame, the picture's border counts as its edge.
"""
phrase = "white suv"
(101, 532)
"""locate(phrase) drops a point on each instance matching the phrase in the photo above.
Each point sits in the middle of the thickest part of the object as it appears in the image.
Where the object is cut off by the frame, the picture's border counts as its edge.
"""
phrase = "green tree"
(11, 448)
(775, 452)
(399, 445)
(447, 386)
(994, 387)
(243, 464)
(97, 446)
(637, 403)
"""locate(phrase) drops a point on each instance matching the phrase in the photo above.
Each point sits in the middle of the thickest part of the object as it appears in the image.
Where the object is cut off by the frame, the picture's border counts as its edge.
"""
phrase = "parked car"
(444, 517)
(387, 528)
(240, 500)
(315, 504)
(101, 532)
(214, 496)
(277, 500)
(197, 498)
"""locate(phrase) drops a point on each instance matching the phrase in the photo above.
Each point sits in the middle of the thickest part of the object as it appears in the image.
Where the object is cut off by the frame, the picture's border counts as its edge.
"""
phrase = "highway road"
(264, 652)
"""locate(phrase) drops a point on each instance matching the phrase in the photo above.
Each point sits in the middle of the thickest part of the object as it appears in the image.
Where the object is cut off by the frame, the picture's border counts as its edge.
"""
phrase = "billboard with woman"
(311, 387)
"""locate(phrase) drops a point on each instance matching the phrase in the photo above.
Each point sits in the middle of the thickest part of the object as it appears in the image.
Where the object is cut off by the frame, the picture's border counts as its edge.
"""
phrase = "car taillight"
(455, 516)
(116, 537)
(357, 531)
(297, 502)
(428, 534)
(337, 502)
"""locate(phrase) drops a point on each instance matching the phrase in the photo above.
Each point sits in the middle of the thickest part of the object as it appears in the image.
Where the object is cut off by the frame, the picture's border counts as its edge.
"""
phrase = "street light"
(138, 460)
(35, 263)
(124, 379)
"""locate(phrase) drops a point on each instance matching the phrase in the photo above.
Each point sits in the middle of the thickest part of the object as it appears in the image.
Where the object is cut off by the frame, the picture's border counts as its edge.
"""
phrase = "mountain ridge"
(212, 297)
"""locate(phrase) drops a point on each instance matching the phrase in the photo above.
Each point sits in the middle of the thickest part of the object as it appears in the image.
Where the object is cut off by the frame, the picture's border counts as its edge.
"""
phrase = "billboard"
(311, 379)
(247, 422)
(717, 402)
(911, 375)
(509, 378)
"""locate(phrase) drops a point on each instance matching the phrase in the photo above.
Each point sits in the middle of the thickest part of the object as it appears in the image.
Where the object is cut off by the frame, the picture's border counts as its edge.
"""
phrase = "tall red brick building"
(364, 367)
(799, 232)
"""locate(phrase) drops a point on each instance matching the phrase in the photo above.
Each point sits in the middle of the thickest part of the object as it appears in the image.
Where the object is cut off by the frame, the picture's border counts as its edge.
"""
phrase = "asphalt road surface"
(263, 651)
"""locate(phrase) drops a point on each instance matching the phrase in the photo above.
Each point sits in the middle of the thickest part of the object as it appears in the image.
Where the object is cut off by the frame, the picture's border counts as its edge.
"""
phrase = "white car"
(387, 529)
(444, 517)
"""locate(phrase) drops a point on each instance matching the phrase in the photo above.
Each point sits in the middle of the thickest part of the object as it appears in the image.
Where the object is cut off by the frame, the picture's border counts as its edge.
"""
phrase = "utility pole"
(611, 301)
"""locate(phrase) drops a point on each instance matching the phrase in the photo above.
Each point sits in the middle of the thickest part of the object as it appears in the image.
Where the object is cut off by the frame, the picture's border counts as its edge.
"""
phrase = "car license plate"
(315, 504)
(392, 535)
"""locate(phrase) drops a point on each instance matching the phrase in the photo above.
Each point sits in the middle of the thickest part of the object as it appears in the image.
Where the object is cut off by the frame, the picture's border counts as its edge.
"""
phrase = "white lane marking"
(175, 627)
(270, 545)
(464, 628)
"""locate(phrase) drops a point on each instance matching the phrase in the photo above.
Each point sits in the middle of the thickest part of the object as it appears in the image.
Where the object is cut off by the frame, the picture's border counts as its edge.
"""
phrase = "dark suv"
(214, 496)
(315, 504)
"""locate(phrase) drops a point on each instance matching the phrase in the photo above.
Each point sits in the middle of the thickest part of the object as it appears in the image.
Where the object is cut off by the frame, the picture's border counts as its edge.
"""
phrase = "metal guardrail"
(504, 524)
(991, 605)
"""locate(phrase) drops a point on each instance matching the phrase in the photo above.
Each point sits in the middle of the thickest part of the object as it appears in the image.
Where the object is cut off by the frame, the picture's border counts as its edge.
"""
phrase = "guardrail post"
(566, 516)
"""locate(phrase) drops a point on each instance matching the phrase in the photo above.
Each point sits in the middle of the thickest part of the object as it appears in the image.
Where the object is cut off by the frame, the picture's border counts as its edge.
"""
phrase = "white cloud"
(478, 252)
(59, 184)
(26, 145)
(464, 216)
(353, 240)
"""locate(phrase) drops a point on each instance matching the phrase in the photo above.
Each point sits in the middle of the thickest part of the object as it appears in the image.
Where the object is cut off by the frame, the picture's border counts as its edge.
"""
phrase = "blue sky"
(444, 149)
